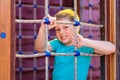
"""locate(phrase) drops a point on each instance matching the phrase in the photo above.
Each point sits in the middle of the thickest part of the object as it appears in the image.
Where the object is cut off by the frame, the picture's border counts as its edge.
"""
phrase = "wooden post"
(111, 36)
(7, 40)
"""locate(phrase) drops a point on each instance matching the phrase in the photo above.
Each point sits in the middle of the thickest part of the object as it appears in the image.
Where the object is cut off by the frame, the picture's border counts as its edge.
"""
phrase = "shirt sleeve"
(87, 50)
(54, 44)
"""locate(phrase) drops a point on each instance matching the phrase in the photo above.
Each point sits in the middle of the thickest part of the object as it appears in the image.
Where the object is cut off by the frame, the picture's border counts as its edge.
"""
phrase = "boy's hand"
(78, 42)
(52, 22)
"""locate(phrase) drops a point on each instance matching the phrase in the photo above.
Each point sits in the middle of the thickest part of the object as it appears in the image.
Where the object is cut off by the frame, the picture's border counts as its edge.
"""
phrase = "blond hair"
(66, 13)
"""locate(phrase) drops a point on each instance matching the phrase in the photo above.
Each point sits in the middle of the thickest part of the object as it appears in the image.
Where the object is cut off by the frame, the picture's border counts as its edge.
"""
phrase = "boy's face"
(65, 32)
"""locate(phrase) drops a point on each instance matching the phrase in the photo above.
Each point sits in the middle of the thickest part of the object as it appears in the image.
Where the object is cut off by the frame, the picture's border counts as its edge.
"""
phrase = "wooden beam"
(111, 36)
(7, 40)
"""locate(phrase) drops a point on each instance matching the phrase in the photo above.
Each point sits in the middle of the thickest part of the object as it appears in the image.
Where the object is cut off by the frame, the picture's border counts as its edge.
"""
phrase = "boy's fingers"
(52, 21)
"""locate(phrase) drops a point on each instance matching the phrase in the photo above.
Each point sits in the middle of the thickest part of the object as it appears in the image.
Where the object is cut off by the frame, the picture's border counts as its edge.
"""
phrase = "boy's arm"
(40, 40)
(101, 47)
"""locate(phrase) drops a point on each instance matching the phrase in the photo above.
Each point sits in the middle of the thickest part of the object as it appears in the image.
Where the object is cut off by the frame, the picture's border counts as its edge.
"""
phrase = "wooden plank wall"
(27, 44)
(7, 40)
(7, 47)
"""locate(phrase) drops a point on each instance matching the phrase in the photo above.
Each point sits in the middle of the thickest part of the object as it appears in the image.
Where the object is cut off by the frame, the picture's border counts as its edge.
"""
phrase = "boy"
(65, 42)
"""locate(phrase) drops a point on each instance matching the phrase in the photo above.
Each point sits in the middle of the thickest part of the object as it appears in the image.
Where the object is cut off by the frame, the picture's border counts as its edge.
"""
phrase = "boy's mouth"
(63, 37)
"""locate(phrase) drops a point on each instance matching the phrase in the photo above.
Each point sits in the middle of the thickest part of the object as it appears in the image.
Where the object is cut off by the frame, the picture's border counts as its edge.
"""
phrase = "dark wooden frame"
(102, 32)
(117, 39)
(108, 19)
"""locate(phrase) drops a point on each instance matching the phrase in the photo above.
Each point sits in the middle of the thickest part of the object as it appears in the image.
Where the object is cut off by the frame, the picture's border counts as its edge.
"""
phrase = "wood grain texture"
(6, 47)
(111, 36)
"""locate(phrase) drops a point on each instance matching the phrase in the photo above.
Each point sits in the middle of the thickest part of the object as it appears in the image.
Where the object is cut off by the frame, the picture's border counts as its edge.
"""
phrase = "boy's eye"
(66, 27)
(57, 29)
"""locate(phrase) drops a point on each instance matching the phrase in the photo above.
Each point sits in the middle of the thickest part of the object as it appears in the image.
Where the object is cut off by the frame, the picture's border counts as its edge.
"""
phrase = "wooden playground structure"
(8, 47)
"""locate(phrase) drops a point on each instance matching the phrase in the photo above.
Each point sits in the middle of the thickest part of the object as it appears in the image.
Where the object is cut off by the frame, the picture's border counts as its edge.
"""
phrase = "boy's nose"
(62, 31)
